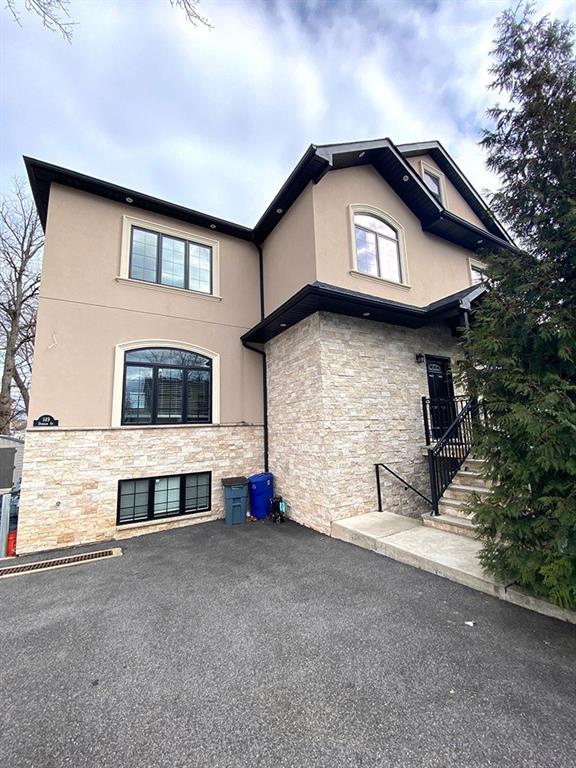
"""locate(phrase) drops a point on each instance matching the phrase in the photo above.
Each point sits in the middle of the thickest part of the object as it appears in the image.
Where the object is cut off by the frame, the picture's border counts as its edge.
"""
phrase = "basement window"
(156, 498)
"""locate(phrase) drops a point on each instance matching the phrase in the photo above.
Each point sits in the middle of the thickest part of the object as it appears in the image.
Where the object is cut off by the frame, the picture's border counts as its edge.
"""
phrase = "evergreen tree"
(521, 351)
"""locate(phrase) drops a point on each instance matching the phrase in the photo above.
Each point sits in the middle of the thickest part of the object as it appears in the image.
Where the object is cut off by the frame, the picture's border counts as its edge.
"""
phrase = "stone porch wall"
(343, 394)
(70, 479)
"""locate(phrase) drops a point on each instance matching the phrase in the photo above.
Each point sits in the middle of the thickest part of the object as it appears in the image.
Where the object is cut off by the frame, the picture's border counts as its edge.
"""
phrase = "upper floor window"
(166, 386)
(377, 248)
(433, 183)
(434, 180)
(171, 261)
(477, 273)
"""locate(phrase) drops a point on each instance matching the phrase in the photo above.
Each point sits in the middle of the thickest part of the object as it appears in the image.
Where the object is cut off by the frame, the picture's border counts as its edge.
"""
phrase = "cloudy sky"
(215, 119)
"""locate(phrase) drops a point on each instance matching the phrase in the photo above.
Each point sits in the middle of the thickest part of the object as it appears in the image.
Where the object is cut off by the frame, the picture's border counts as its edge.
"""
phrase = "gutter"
(263, 355)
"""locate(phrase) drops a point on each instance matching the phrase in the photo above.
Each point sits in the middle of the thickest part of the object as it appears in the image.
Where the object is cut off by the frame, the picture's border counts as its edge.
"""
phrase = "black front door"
(442, 410)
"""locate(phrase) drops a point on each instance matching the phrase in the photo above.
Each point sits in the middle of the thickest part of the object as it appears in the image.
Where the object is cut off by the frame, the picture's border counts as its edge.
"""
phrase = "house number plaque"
(45, 421)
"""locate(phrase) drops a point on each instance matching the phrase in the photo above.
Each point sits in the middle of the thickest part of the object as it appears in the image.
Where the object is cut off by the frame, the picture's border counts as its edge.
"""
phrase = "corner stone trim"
(343, 394)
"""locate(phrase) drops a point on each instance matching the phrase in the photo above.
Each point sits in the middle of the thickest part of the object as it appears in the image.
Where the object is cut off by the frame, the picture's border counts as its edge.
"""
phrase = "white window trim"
(124, 273)
(424, 166)
(372, 210)
(118, 385)
(476, 263)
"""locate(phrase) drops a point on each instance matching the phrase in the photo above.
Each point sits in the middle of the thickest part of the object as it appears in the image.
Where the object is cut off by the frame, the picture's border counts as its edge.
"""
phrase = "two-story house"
(174, 348)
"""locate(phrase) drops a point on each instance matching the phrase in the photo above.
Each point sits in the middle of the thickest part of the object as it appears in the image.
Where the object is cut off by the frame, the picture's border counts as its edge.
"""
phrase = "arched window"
(377, 248)
(166, 386)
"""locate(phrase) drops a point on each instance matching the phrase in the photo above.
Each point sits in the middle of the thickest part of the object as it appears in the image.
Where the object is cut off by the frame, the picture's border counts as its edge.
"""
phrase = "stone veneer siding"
(70, 480)
(343, 394)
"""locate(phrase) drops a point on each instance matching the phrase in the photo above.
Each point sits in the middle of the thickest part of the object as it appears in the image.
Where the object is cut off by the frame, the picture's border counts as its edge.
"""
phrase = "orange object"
(11, 544)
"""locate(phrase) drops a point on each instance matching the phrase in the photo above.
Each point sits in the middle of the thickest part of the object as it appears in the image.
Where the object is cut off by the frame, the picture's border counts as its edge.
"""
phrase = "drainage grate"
(60, 562)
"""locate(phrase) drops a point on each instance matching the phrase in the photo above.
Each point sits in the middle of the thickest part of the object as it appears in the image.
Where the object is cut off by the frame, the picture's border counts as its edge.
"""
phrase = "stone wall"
(70, 480)
(343, 394)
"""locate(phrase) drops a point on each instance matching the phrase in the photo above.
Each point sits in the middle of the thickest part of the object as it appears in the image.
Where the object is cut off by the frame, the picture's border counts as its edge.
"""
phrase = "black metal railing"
(404, 482)
(451, 450)
(439, 413)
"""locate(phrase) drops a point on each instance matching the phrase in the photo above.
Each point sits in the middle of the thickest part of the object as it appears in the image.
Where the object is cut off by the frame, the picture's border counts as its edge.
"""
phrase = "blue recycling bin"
(235, 499)
(261, 492)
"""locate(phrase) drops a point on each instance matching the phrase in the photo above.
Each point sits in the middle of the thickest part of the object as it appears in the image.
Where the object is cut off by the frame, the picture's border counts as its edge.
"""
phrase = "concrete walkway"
(445, 554)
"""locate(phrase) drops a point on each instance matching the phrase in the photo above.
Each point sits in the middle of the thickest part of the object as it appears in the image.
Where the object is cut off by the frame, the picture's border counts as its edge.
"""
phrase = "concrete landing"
(444, 554)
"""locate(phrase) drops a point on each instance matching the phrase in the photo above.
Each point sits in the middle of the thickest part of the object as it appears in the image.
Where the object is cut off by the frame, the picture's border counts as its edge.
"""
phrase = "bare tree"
(190, 9)
(55, 14)
(21, 240)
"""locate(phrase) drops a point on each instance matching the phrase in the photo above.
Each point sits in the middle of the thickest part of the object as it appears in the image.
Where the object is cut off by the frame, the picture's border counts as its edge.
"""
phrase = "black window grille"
(171, 261)
(166, 386)
(155, 498)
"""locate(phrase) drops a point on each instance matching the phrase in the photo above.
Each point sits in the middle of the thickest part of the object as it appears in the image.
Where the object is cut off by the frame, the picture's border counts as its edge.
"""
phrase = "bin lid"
(234, 481)
(261, 477)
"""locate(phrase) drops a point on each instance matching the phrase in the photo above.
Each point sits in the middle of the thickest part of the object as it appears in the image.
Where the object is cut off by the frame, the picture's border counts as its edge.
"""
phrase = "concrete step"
(460, 492)
(439, 552)
(473, 465)
(433, 550)
(453, 507)
(462, 526)
(470, 478)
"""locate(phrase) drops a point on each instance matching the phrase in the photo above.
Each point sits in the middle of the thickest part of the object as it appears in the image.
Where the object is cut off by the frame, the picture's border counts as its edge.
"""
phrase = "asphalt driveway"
(264, 645)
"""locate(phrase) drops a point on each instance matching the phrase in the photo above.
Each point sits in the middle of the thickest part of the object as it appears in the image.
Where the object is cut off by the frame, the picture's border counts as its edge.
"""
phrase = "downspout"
(263, 355)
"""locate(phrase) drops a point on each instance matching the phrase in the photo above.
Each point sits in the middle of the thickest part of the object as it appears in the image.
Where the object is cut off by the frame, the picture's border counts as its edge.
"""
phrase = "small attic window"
(433, 184)
(434, 180)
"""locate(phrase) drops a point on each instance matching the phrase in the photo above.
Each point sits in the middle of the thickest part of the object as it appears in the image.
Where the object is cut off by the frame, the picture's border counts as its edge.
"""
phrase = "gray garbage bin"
(235, 499)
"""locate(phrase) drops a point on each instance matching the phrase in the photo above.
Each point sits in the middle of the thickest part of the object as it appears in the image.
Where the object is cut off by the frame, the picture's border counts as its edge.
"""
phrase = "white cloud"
(216, 119)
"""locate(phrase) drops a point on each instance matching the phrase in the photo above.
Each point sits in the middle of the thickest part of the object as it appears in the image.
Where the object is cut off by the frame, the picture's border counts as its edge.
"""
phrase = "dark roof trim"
(42, 175)
(393, 166)
(311, 167)
(459, 180)
(382, 154)
(321, 297)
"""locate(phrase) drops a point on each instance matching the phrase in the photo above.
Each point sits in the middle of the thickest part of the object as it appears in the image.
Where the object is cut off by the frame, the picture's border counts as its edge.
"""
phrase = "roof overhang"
(392, 165)
(447, 165)
(388, 160)
(321, 297)
(42, 175)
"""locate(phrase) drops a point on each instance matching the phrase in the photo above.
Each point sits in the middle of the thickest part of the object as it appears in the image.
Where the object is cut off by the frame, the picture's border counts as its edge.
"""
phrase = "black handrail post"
(433, 487)
(426, 421)
(398, 477)
(377, 468)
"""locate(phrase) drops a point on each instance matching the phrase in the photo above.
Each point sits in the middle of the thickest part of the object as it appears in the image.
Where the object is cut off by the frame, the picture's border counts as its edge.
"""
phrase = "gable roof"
(388, 160)
(395, 169)
(448, 166)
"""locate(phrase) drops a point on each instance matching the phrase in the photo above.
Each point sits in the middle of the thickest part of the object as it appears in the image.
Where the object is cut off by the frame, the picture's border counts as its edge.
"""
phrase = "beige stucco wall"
(289, 252)
(344, 394)
(85, 311)
(436, 268)
(454, 201)
(70, 481)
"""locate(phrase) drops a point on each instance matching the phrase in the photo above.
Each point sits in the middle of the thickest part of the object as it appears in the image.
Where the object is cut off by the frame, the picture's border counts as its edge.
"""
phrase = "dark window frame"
(159, 237)
(182, 511)
(438, 177)
(395, 240)
(154, 405)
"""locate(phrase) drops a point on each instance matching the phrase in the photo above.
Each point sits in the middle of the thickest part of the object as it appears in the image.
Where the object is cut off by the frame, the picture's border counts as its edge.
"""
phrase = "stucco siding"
(289, 252)
(435, 267)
